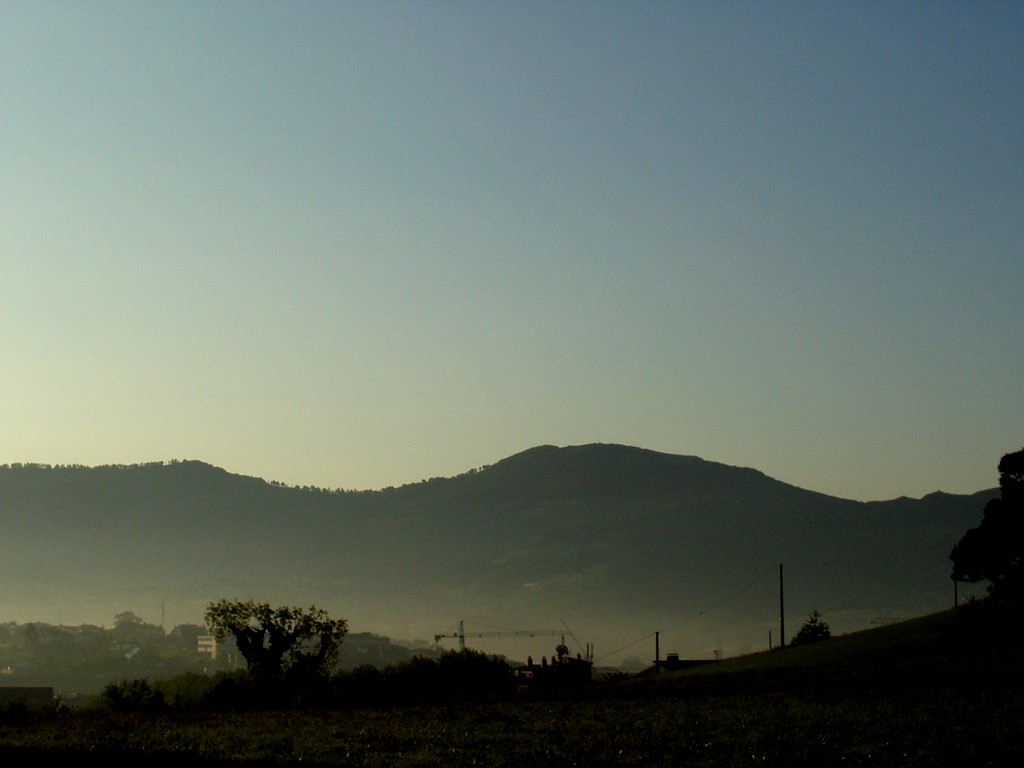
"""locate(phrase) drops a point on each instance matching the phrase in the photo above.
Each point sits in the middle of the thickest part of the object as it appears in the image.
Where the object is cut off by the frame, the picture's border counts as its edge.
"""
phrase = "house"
(186, 635)
(672, 663)
(563, 671)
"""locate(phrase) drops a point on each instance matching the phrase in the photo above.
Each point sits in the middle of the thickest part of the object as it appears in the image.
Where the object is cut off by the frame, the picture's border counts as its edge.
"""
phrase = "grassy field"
(902, 695)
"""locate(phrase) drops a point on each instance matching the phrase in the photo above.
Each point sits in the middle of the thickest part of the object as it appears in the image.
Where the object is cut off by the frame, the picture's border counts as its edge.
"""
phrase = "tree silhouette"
(278, 642)
(994, 550)
(813, 630)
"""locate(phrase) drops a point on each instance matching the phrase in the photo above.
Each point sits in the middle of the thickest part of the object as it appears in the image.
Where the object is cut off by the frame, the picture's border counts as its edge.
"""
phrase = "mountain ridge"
(617, 538)
(519, 459)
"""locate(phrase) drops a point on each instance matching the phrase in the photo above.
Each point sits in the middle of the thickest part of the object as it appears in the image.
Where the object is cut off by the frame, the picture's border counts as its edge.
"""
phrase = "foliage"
(129, 628)
(464, 675)
(278, 644)
(126, 620)
(994, 550)
(194, 691)
(813, 630)
(133, 696)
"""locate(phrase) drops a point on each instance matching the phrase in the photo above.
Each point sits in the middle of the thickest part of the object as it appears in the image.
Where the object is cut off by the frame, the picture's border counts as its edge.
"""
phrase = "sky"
(355, 245)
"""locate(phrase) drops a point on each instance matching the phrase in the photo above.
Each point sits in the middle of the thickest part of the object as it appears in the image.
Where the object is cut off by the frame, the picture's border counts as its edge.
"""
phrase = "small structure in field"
(563, 671)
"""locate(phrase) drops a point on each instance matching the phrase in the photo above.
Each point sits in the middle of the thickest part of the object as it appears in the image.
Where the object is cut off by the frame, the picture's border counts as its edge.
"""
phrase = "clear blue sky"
(360, 244)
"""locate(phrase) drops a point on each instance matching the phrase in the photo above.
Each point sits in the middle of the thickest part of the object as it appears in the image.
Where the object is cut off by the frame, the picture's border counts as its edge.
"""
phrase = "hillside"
(611, 541)
(950, 648)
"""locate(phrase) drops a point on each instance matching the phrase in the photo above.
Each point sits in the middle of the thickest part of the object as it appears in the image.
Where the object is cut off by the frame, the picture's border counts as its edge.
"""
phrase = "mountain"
(610, 543)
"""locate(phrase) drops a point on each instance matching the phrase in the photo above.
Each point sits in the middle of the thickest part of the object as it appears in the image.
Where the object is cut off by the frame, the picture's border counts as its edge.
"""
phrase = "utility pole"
(782, 612)
(657, 651)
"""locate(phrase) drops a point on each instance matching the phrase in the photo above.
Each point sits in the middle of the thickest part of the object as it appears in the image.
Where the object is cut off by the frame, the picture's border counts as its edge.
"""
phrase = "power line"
(623, 648)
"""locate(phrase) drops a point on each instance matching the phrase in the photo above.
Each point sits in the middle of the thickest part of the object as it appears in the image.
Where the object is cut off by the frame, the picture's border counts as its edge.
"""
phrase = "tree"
(278, 643)
(994, 550)
(126, 621)
(129, 628)
(813, 630)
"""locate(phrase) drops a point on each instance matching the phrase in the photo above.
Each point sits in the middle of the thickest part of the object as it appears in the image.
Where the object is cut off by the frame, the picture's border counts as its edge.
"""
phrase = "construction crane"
(461, 634)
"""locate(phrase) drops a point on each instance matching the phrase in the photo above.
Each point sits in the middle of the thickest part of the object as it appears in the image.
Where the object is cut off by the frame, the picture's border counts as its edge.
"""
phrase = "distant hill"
(609, 542)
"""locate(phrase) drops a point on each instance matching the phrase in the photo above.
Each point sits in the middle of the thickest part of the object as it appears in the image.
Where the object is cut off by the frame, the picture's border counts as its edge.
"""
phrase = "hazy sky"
(360, 244)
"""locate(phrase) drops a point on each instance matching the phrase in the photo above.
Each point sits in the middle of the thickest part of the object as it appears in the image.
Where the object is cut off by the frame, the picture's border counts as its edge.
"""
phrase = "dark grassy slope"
(610, 538)
(944, 650)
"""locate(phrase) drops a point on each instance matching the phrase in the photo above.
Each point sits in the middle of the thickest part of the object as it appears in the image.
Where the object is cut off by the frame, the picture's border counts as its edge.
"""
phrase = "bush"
(133, 696)
(196, 691)
(456, 676)
(814, 630)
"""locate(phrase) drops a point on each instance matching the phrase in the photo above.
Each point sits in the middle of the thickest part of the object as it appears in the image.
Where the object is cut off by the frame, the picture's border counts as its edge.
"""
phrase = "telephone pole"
(782, 612)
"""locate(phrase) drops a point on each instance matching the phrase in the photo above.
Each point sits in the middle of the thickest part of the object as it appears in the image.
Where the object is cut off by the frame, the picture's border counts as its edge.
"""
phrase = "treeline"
(188, 465)
(83, 659)
(454, 676)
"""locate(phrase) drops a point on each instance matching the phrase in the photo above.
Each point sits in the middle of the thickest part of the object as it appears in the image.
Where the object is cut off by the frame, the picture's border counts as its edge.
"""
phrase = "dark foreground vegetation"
(941, 690)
